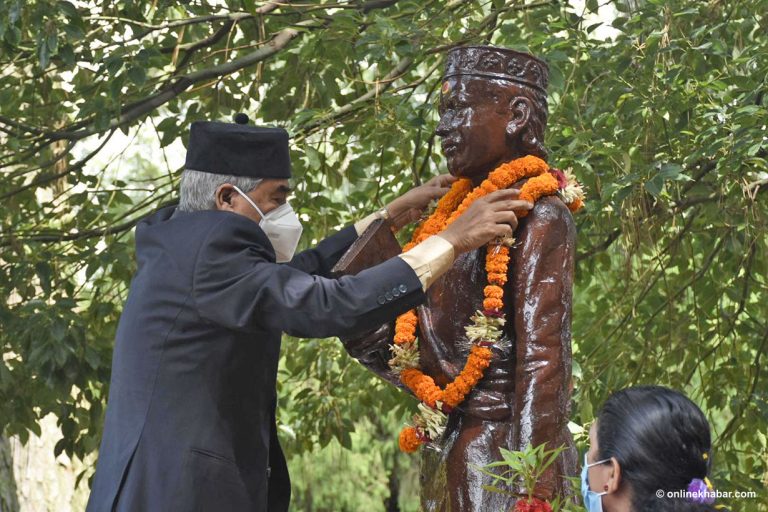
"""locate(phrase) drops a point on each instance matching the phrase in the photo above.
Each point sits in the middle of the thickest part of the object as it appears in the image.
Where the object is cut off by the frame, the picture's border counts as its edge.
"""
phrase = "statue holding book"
(489, 354)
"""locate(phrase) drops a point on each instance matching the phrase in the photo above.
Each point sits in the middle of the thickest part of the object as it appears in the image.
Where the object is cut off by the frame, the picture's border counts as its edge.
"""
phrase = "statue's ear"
(520, 109)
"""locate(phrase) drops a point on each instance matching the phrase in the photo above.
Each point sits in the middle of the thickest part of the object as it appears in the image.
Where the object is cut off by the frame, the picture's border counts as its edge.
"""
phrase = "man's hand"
(489, 217)
(409, 206)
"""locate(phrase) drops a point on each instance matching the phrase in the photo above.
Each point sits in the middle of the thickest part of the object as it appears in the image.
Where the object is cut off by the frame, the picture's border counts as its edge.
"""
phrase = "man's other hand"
(408, 207)
(487, 218)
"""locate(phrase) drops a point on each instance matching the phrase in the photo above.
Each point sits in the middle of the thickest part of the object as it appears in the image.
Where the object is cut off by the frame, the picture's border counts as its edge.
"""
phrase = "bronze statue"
(493, 109)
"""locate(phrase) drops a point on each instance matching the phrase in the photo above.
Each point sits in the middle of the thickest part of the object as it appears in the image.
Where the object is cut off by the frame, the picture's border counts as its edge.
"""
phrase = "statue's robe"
(524, 396)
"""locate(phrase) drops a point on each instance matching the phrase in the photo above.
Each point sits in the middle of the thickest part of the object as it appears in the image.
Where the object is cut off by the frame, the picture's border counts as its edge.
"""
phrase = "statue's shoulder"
(546, 234)
(551, 209)
(550, 221)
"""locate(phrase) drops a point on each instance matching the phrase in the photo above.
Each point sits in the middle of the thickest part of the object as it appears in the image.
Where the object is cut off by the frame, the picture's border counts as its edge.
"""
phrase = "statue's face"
(474, 116)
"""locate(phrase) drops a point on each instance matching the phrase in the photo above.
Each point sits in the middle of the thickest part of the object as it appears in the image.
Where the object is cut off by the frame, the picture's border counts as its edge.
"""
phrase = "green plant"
(522, 470)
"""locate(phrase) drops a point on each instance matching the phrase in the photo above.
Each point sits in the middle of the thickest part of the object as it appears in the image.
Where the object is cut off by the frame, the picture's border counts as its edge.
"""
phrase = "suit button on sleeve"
(380, 299)
(389, 296)
(396, 292)
(403, 288)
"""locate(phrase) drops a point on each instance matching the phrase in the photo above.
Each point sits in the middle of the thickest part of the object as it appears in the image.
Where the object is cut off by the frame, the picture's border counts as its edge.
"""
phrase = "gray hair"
(197, 188)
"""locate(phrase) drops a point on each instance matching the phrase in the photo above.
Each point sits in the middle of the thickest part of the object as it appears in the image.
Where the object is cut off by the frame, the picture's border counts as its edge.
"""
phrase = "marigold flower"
(481, 352)
(492, 303)
(401, 337)
(409, 317)
(497, 278)
(493, 291)
(497, 259)
(576, 205)
(495, 268)
(409, 440)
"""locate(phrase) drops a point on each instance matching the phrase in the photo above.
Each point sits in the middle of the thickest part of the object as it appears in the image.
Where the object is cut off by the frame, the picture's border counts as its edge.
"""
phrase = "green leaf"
(314, 158)
(137, 75)
(52, 42)
(44, 274)
(58, 329)
(670, 171)
(113, 65)
(43, 54)
(69, 10)
(655, 185)
(67, 55)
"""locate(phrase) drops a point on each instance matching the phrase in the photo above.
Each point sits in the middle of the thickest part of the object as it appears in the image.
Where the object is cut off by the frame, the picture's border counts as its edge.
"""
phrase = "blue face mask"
(592, 500)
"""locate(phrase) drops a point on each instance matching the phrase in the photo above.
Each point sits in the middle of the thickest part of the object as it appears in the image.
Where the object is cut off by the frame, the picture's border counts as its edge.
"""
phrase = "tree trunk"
(8, 500)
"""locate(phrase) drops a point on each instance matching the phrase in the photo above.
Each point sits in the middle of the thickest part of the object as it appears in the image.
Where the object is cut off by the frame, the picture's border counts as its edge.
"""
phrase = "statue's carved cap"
(497, 63)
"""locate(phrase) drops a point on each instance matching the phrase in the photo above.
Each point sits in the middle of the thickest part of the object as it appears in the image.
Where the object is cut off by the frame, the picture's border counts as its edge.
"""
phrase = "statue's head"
(493, 108)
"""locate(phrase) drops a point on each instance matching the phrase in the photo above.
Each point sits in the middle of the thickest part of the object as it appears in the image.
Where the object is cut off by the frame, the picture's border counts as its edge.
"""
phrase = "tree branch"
(20, 126)
(379, 87)
(88, 233)
(612, 237)
(739, 310)
(371, 5)
(278, 42)
(208, 41)
(52, 177)
(730, 428)
(171, 91)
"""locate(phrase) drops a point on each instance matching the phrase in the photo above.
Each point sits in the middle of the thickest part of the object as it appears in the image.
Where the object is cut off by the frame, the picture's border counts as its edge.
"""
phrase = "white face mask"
(282, 226)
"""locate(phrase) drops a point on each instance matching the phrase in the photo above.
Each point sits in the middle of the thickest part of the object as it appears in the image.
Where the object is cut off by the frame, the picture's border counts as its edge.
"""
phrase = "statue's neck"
(477, 180)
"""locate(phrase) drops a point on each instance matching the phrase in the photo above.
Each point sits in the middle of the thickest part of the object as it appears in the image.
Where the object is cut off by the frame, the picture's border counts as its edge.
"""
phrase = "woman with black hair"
(649, 451)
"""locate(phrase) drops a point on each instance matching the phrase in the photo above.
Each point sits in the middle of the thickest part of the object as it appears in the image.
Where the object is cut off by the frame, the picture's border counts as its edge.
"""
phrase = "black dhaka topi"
(238, 150)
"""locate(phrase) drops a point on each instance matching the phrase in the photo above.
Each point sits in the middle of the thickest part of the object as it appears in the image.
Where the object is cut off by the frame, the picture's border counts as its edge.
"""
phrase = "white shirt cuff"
(430, 259)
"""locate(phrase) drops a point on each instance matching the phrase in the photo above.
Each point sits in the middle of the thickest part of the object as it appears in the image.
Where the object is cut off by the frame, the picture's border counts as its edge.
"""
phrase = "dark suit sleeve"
(236, 285)
(320, 260)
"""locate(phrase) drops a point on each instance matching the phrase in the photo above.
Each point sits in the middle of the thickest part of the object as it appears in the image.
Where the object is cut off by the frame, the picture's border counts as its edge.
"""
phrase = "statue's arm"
(541, 274)
(371, 349)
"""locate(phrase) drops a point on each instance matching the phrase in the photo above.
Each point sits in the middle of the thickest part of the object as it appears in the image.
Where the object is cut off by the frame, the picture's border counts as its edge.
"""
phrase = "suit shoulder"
(230, 233)
(214, 224)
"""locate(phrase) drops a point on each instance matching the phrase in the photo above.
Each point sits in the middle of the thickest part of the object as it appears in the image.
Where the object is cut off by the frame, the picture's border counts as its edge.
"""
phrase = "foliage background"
(662, 115)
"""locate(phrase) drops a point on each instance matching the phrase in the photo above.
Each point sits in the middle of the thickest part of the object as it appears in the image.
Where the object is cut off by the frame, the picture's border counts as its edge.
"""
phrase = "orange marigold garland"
(484, 331)
(409, 440)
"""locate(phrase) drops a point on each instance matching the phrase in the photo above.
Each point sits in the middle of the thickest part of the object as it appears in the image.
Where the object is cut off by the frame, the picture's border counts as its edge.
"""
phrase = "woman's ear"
(520, 109)
(224, 197)
(614, 477)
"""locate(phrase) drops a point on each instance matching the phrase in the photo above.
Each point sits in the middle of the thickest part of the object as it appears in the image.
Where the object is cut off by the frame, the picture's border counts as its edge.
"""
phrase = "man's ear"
(520, 109)
(224, 196)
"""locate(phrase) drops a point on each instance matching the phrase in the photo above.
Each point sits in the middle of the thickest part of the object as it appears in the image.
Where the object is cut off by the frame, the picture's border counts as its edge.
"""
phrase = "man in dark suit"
(190, 423)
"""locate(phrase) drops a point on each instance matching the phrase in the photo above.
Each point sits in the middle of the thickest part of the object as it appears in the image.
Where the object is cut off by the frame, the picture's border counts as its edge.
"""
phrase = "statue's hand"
(489, 217)
(409, 206)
